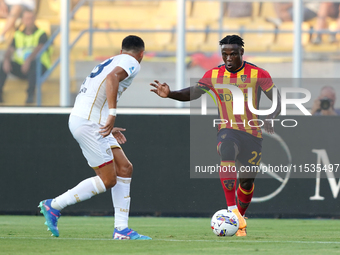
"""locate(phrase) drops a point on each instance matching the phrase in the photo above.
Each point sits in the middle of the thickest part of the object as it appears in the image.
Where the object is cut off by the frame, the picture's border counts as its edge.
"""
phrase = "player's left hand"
(121, 139)
(107, 129)
(269, 124)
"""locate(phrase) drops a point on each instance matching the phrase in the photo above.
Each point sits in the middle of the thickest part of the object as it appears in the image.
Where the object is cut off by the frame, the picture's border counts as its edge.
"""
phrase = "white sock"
(83, 191)
(230, 208)
(121, 202)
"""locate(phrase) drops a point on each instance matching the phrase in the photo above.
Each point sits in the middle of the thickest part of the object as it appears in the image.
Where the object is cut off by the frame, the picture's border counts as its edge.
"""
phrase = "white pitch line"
(172, 240)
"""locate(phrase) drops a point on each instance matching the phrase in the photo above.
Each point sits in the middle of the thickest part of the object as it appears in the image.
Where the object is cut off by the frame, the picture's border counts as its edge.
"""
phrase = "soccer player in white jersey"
(92, 124)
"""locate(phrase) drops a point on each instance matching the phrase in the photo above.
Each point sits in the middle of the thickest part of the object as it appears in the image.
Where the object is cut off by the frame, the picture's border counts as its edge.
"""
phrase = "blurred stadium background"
(35, 144)
(268, 44)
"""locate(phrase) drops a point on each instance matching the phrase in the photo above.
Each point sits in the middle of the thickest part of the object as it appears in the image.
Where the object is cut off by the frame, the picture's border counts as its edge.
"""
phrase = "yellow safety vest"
(25, 45)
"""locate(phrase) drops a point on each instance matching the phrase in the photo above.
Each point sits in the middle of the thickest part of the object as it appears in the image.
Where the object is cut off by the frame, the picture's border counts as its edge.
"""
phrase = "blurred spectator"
(324, 104)
(12, 11)
(284, 12)
(326, 9)
(238, 9)
(20, 56)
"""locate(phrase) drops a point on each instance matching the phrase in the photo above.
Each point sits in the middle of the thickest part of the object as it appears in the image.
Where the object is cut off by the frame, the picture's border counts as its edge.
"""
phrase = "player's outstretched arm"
(186, 94)
(268, 125)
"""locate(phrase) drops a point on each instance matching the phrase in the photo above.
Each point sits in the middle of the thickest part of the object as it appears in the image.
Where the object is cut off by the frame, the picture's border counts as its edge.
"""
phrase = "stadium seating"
(267, 10)
(14, 92)
(49, 10)
(327, 45)
(156, 15)
(240, 22)
(212, 42)
(256, 10)
(285, 41)
(206, 12)
(194, 40)
(259, 41)
(168, 10)
(44, 24)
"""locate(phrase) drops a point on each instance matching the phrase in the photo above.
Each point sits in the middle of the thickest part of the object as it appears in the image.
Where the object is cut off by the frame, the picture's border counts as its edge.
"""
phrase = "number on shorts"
(252, 160)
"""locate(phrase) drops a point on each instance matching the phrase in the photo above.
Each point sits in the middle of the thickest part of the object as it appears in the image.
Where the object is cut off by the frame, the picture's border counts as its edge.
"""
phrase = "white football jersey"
(91, 102)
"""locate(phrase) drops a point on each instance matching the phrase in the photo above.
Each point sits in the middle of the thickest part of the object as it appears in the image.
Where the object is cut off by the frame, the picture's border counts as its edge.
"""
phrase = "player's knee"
(246, 183)
(110, 181)
(129, 169)
(126, 170)
(227, 150)
(109, 178)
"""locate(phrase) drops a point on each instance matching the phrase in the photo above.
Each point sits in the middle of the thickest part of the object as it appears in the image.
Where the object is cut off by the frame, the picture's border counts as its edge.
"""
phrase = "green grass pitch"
(92, 235)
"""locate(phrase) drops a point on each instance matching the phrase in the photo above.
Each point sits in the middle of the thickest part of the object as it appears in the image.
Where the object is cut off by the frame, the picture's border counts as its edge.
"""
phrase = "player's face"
(232, 56)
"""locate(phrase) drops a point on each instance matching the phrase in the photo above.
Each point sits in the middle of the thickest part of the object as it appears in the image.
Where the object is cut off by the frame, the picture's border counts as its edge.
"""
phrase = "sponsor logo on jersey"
(131, 69)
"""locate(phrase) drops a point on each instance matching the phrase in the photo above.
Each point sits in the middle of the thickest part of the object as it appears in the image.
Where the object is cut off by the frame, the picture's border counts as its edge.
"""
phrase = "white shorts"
(96, 148)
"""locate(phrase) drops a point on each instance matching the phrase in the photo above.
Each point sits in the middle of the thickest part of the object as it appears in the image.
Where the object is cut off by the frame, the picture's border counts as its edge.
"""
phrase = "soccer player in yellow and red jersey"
(239, 138)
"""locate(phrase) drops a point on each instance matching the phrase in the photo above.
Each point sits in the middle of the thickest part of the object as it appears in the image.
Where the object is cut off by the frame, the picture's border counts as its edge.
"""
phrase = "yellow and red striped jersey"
(247, 76)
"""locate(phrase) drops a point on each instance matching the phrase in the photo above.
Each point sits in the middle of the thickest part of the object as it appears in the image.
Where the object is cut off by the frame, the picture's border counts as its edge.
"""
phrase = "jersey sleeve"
(129, 64)
(205, 81)
(265, 80)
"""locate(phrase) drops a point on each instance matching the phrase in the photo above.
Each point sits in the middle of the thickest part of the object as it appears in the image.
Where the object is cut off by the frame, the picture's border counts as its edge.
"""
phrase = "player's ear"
(121, 51)
(141, 55)
(242, 51)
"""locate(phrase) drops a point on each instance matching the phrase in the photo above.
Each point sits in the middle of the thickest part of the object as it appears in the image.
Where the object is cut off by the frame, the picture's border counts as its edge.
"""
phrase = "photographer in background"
(324, 104)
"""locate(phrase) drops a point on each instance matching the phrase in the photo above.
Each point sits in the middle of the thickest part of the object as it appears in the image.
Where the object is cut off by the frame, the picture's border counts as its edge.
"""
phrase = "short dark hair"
(232, 39)
(133, 43)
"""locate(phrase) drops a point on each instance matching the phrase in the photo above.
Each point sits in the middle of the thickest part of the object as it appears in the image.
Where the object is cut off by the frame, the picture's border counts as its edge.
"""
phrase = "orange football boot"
(241, 232)
(242, 222)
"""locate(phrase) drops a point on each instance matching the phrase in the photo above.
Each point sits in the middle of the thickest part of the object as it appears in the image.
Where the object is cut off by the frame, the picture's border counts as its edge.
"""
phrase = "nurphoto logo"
(239, 98)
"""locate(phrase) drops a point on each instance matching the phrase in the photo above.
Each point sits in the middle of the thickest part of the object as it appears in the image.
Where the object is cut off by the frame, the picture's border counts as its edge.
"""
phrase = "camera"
(325, 103)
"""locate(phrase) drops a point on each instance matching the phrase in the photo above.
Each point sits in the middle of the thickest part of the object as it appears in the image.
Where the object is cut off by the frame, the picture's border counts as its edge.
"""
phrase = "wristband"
(113, 111)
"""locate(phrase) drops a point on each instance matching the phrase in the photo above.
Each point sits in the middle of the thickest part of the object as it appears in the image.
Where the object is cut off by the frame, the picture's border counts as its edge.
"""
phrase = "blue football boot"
(51, 215)
(128, 234)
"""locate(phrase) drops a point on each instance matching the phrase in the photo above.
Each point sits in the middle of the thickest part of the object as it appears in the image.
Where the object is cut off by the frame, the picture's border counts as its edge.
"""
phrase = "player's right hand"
(161, 89)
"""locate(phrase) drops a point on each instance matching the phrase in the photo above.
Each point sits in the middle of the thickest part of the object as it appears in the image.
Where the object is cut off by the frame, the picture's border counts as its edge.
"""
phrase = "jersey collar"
(240, 68)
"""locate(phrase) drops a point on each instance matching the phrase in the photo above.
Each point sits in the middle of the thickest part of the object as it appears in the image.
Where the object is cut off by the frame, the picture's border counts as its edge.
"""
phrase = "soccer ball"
(224, 223)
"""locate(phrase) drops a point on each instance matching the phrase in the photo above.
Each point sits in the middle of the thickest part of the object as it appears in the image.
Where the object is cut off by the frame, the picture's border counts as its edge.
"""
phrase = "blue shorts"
(249, 147)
